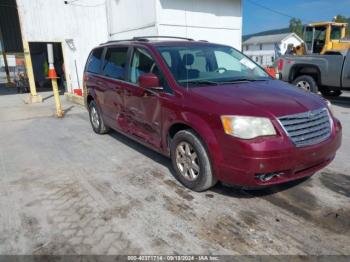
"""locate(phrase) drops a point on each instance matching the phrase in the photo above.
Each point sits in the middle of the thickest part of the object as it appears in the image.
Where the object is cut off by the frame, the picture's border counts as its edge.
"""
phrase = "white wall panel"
(127, 16)
(217, 21)
(53, 21)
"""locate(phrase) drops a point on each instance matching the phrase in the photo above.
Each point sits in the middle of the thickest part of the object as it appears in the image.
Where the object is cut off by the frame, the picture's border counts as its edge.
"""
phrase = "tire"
(96, 119)
(199, 176)
(306, 83)
(330, 92)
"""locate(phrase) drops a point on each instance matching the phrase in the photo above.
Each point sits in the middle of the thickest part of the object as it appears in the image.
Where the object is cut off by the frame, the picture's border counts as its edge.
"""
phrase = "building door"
(11, 48)
(38, 52)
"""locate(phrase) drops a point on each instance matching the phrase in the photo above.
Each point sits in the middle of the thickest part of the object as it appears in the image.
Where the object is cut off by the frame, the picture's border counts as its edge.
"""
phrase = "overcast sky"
(257, 19)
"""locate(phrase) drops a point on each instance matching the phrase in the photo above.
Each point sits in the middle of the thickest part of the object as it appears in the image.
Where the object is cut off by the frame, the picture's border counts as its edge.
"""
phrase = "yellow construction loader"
(323, 37)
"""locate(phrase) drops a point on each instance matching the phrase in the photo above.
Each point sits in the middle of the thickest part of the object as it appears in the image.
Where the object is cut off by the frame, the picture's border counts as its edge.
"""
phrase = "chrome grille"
(307, 128)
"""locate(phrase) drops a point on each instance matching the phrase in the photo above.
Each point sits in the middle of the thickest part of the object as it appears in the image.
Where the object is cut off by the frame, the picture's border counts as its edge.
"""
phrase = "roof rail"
(116, 41)
(145, 38)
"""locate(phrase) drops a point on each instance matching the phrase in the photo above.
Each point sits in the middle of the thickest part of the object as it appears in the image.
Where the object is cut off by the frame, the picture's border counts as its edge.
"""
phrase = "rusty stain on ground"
(248, 217)
(209, 195)
(180, 190)
(302, 203)
(121, 211)
(58, 245)
(177, 236)
(159, 242)
(157, 174)
(29, 224)
(226, 232)
(336, 182)
(150, 198)
(178, 208)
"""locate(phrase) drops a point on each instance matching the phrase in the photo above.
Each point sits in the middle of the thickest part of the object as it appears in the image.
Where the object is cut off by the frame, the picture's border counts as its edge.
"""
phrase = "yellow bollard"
(53, 76)
(59, 111)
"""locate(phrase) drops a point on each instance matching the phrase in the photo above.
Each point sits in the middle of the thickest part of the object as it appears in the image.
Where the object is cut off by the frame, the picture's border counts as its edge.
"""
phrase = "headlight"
(247, 127)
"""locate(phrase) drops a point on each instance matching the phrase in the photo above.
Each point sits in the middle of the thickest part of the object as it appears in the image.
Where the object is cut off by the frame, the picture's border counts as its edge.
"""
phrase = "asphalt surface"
(66, 190)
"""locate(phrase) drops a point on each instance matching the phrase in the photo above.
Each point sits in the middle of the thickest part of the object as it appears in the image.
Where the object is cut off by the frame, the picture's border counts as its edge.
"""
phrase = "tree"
(296, 26)
(340, 19)
(343, 19)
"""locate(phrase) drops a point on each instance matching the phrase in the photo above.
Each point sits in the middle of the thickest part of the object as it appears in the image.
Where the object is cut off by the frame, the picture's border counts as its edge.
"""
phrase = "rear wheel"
(96, 120)
(307, 83)
(191, 161)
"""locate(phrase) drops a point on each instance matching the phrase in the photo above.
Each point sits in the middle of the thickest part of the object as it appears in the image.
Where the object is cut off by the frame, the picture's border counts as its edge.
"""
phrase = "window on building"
(272, 59)
(94, 62)
(115, 62)
(261, 46)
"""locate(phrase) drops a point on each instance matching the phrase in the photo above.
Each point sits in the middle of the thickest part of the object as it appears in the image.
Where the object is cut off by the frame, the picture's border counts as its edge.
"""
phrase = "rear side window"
(94, 62)
(115, 62)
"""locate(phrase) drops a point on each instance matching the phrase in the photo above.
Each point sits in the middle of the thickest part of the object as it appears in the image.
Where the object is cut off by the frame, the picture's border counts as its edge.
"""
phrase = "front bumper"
(245, 161)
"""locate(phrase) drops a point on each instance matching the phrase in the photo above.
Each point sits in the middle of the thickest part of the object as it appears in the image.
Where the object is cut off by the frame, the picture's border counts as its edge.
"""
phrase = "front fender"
(205, 132)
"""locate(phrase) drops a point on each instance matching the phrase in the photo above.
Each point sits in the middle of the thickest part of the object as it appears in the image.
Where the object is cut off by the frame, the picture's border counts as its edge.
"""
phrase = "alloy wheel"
(95, 119)
(187, 161)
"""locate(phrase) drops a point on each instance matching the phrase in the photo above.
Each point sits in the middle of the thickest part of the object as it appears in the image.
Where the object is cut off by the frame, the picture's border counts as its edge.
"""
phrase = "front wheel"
(191, 161)
(307, 83)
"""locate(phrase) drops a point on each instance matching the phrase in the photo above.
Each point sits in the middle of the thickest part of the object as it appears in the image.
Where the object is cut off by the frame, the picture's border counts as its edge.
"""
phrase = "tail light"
(280, 65)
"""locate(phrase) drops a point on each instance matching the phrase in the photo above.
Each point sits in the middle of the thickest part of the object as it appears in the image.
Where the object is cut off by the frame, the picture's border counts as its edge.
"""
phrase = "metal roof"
(268, 39)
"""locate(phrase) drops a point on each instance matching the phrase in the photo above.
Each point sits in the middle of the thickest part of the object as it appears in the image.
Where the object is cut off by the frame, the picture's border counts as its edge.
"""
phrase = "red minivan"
(217, 114)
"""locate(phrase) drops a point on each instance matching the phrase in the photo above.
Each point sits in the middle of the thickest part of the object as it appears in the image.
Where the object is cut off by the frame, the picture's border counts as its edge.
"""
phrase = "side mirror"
(149, 81)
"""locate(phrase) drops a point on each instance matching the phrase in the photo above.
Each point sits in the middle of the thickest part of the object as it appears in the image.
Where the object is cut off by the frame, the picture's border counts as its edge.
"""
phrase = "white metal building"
(217, 21)
(266, 48)
(77, 26)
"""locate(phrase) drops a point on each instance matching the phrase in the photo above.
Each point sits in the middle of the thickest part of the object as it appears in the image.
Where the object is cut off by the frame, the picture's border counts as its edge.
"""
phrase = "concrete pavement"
(66, 190)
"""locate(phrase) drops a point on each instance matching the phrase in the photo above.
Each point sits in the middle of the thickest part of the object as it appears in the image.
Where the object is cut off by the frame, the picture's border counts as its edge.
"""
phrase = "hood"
(261, 98)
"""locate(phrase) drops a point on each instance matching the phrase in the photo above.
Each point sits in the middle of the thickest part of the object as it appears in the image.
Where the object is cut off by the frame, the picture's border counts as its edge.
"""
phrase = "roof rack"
(116, 41)
(145, 38)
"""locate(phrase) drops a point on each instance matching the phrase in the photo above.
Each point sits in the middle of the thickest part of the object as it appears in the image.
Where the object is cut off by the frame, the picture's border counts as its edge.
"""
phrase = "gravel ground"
(66, 190)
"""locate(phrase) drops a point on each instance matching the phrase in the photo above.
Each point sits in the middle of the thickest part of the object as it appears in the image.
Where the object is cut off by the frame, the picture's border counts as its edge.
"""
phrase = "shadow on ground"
(7, 90)
(220, 188)
(343, 101)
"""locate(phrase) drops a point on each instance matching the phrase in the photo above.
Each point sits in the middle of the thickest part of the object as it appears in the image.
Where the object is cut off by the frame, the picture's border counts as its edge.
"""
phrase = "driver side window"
(142, 63)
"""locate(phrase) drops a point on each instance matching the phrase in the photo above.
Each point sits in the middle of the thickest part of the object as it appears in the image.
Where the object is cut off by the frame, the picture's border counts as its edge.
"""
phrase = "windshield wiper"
(239, 80)
(201, 82)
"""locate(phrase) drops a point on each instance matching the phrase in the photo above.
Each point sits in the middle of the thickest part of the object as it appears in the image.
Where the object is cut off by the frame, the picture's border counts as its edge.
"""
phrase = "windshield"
(210, 64)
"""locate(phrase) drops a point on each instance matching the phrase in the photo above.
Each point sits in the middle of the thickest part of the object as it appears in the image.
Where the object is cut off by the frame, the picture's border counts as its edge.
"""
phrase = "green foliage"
(296, 26)
(340, 19)
(343, 19)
